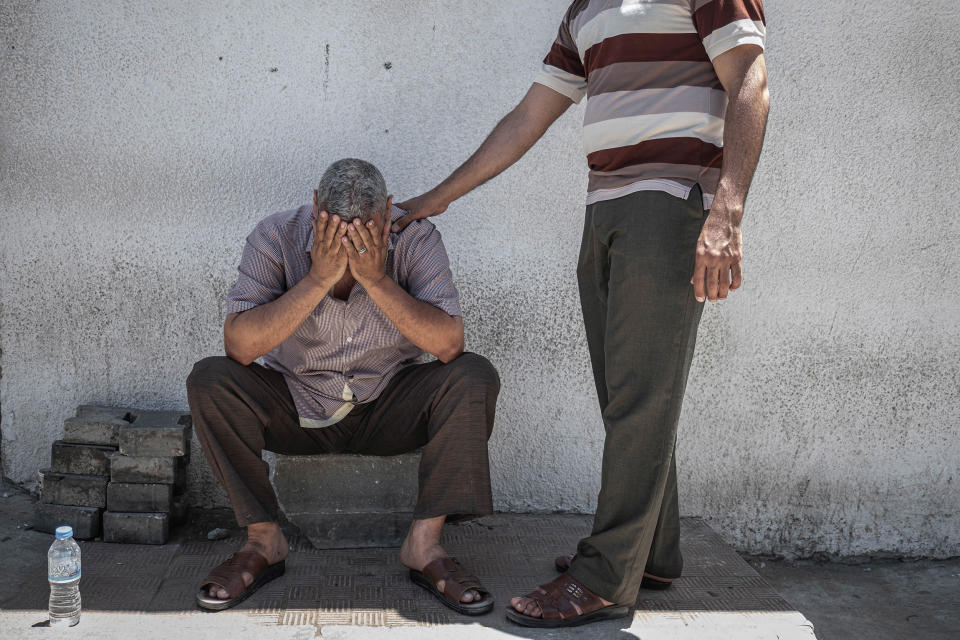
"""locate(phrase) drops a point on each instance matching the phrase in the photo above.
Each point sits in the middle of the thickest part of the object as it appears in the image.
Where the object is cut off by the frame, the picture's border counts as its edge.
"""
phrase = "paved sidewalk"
(875, 599)
(147, 591)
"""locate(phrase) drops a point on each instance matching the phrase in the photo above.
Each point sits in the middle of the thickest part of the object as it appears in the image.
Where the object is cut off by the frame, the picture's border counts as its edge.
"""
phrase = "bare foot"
(268, 540)
(421, 547)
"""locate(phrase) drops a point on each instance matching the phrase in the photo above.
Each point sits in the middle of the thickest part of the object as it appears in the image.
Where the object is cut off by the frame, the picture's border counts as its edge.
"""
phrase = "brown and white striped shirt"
(655, 106)
(345, 352)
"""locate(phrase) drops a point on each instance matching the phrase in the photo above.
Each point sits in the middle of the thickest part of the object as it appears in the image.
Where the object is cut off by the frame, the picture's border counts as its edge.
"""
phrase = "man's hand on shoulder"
(329, 258)
(366, 247)
(423, 206)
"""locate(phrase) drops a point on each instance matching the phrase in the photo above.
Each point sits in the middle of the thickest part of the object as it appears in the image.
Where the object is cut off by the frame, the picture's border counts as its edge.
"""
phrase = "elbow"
(451, 351)
(452, 345)
(232, 349)
(446, 357)
(243, 358)
(237, 355)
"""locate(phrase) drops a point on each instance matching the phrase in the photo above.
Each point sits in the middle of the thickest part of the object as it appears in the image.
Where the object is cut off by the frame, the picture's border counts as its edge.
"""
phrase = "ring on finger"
(362, 250)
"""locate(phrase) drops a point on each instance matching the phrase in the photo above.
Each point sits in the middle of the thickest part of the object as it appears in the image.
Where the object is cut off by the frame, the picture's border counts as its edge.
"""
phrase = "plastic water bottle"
(63, 572)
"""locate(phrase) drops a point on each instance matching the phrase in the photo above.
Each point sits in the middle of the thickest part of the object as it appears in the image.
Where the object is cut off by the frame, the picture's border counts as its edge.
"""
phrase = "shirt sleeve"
(562, 68)
(260, 276)
(725, 24)
(428, 275)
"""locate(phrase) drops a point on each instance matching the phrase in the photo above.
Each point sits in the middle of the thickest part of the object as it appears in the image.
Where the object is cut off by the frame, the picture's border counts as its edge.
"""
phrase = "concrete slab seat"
(345, 501)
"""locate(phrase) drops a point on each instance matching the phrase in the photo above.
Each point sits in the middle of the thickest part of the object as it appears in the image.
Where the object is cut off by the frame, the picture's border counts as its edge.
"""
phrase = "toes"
(526, 606)
(518, 603)
(470, 596)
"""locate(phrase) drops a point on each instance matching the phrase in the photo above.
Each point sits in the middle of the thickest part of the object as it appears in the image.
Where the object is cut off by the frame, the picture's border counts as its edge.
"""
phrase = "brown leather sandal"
(229, 577)
(566, 603)
(456, 582)
(649, 581)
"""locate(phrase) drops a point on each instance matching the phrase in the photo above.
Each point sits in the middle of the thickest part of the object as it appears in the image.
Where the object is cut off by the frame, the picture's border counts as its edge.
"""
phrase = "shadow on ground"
(366, 592)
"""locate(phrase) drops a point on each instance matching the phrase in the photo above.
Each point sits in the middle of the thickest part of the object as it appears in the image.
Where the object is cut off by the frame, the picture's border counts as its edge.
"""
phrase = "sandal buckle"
(575, 590)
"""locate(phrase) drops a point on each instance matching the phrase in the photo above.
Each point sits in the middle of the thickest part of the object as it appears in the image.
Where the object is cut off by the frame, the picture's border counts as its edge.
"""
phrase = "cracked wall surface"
(139, 144)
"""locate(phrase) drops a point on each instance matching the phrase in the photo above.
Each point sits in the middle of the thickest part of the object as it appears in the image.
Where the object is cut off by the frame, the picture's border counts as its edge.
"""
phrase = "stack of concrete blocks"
(148, 478)
(73, 491)
(123, 469)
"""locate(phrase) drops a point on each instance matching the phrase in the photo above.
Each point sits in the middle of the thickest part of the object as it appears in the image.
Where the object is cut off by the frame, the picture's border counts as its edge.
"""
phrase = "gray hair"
(352, 188)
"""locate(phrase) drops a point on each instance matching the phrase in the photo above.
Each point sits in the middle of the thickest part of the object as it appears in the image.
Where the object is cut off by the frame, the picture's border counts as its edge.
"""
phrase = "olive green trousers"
(641, 318)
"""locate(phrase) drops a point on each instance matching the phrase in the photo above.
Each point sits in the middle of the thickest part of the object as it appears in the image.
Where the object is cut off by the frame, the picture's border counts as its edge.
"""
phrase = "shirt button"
(349, 339)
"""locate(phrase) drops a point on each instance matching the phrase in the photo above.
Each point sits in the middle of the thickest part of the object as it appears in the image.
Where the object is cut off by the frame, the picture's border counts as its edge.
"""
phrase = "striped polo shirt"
(655, 106)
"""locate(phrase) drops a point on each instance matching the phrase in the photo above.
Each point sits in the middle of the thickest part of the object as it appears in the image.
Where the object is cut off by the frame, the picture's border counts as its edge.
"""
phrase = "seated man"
(339, 308)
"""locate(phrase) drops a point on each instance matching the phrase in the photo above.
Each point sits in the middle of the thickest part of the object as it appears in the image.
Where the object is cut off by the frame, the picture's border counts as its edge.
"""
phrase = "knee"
(474, 368)
(208, 375)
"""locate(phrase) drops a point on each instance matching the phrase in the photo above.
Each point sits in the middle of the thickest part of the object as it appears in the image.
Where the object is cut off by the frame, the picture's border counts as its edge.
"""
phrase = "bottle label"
(64, 571)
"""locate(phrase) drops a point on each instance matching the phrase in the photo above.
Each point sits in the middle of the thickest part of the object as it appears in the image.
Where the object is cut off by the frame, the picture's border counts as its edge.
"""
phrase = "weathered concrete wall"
(141, 142)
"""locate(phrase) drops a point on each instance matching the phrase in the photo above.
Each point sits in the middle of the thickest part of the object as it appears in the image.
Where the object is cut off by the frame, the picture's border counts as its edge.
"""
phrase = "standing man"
(676, 111)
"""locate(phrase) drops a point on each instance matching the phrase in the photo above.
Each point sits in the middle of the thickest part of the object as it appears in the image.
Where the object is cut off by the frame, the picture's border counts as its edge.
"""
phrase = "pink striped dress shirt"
(345, 352)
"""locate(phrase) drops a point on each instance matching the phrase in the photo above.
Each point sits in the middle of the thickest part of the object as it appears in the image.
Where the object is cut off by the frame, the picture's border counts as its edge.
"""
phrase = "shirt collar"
(395, 212)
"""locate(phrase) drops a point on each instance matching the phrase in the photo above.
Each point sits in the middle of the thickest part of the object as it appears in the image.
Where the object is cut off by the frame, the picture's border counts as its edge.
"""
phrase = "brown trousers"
(641, 321)
(448, 409)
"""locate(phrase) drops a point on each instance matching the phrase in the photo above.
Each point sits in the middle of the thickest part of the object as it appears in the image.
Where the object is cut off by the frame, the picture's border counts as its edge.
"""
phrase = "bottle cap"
(64, 532)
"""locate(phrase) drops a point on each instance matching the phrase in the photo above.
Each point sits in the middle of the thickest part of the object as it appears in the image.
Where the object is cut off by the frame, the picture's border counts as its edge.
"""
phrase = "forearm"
(744, 129)
(252, 333)
(423, 324)
(510, 139)
(506, 144)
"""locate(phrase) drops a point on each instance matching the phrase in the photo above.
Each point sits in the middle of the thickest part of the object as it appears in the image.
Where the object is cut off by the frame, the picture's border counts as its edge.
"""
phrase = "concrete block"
(154, 441)
(150, 469)
(72, 489)
(86, 459)
(84, 520)
(178, 510)
(353, 530)
(99, 412)
(162, 419)
(344, 501)
(93, 430)
(140, 498)
(137, 528)
(157, 433)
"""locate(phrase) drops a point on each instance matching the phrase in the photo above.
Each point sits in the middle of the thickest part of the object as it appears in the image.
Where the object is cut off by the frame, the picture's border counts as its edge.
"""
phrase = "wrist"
(373, 284)
(443, 194)
(729, 209)
(318, 286)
